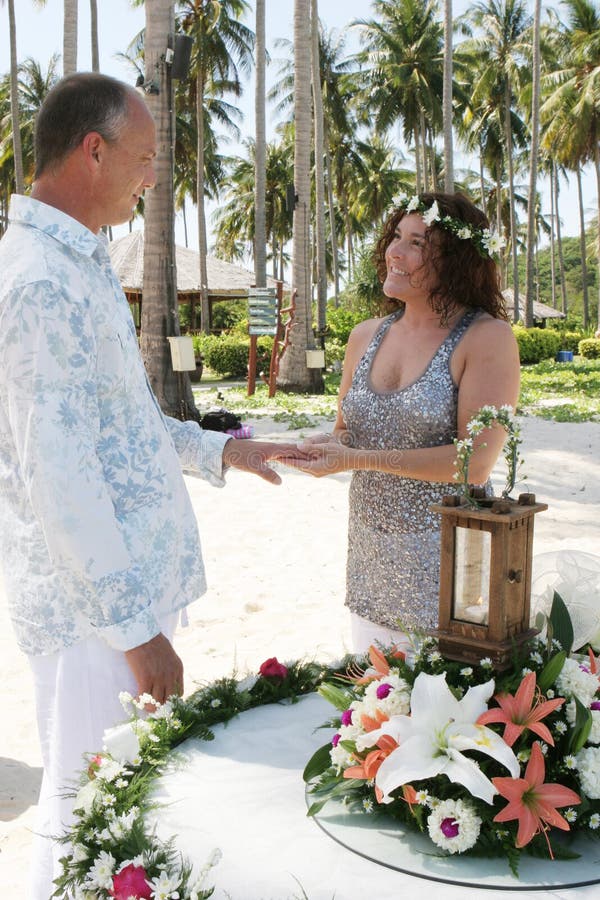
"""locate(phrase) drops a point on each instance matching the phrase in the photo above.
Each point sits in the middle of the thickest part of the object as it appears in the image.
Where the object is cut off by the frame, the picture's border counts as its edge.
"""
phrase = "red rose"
(131, 882)
(272, 668)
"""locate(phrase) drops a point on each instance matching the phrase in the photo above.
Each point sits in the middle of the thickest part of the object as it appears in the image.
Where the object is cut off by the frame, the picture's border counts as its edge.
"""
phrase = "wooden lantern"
(485, 578)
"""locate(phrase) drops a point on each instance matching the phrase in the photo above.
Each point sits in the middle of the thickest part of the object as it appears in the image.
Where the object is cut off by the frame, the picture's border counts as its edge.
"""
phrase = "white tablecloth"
(243, 793)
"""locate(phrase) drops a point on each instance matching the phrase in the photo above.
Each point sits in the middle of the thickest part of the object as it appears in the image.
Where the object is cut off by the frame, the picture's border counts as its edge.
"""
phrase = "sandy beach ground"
(275, 560)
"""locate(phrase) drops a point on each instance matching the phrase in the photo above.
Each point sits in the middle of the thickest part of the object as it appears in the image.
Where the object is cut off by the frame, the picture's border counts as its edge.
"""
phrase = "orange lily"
(378, 662)
(369, 766)
(372, 724)
(593, 662)
(532, 802)
(520, 712)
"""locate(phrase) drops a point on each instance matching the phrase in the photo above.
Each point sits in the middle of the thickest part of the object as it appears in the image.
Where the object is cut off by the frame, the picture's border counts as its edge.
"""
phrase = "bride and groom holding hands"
(100, 548)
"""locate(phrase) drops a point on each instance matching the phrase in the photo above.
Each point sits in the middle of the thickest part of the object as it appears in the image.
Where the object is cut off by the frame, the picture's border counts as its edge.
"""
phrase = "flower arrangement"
(486, 242)
(485, 418)
(111, 853)
(484, 763)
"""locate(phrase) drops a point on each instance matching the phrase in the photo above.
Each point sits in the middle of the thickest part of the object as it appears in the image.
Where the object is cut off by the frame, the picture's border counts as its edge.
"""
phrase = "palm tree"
(447, 100)
(234, 220)
(533, 165)
(571, 110)
(319, 152)
(402, 72)
(94, 35)
(221, 44)
(70, 37)
(160, 314)
(294, 374)
(502, 46)
(14, 100)
(260, 233)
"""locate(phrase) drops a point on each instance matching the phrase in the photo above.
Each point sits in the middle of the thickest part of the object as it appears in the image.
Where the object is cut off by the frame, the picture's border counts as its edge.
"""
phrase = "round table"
(243, 793)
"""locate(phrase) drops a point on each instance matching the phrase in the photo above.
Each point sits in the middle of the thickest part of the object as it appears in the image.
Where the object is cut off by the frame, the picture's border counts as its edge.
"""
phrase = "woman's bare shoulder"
(486, 326)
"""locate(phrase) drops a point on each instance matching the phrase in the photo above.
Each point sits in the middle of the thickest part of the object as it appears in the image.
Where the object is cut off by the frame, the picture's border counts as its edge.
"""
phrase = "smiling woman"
(411, 383)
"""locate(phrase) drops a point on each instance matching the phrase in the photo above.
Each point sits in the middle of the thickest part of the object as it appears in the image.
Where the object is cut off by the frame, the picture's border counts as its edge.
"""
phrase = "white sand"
(275, 560)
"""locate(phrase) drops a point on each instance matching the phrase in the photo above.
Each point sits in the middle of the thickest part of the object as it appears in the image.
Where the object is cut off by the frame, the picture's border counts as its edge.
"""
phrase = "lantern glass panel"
(472, 557)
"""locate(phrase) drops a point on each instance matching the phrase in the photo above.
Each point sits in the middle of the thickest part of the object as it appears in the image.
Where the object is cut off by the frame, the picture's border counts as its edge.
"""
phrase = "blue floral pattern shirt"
(98, 535)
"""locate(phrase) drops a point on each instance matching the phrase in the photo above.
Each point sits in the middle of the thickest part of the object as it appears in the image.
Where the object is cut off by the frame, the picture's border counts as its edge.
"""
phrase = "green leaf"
(582, 726)
(318, 763)
(551, 670)
(562, 627)
(338, 697)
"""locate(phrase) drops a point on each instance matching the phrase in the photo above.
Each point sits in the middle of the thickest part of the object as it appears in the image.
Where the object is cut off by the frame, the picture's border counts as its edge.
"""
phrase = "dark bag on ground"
(219, 420)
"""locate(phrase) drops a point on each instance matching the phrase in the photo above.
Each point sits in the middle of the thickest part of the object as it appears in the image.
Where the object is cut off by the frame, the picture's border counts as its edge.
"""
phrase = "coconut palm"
(14, 100)
(533, 165)
(402, 72)
(235, 218)
(502, 46)
(294, 374)
(70, 37)
(260, 233)
(319, 172)
(447, 100)
(94, 35)
(222, 43)
(571, 110)
(160, 315)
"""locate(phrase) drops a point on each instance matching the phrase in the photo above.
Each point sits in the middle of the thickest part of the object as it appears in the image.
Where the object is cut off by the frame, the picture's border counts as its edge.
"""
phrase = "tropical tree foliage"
(382, 125)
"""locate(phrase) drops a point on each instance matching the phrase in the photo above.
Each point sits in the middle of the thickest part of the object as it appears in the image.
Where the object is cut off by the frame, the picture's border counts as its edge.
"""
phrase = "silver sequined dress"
(393, 537)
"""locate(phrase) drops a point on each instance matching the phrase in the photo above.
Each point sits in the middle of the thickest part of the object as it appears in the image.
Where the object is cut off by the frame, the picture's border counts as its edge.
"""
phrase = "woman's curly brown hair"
(462, 276)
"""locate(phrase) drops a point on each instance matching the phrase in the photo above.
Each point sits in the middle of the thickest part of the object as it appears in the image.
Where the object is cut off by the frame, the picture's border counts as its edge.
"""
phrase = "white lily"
(432, 739)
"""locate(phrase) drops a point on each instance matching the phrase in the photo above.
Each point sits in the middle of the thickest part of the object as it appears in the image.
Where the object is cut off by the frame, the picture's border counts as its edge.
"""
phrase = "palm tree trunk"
(260, 151)
(561, 259)
(583, 251)
(418, 172)
(332, 228)
(70, 37)
(511, 199)
(447, 100)
(294, 374)
(552, 236)
(202, 236)
(160, 318)
(533, 167)
(482, 182)
(597, 167)
(321, 255)
(94, 35)
(423, 142)
(14, 101)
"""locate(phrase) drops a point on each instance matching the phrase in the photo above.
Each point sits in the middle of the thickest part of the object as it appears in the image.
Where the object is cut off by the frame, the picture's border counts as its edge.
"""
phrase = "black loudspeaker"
(181, 56)
(291, 198)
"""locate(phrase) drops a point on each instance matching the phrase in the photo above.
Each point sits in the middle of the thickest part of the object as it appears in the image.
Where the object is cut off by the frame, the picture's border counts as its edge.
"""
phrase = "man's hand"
(320, 459)
(156, 668)
(252, 456)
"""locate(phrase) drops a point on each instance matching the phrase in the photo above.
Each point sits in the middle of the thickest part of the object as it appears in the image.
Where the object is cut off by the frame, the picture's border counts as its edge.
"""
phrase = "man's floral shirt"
(98, 535)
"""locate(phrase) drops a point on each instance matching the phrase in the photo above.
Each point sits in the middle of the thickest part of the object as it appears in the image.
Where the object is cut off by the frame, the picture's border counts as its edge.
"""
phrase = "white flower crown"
(487, 242)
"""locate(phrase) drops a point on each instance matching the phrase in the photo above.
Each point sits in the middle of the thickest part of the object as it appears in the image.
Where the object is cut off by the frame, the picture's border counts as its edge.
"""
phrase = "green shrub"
(227, 354)
(590, 348)
(536, 344)
(335, 351)
(570, 340)
(341, 321)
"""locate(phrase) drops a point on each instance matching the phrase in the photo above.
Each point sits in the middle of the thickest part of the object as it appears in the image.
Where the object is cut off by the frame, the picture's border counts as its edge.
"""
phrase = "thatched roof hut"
(541, 311)
(225, 280)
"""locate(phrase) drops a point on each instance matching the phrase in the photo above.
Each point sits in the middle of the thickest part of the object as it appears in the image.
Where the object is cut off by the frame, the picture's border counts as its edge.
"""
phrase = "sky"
(39, 34)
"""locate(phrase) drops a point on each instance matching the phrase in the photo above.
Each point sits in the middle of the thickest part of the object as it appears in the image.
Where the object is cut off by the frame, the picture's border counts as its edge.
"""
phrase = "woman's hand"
(324, 458)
